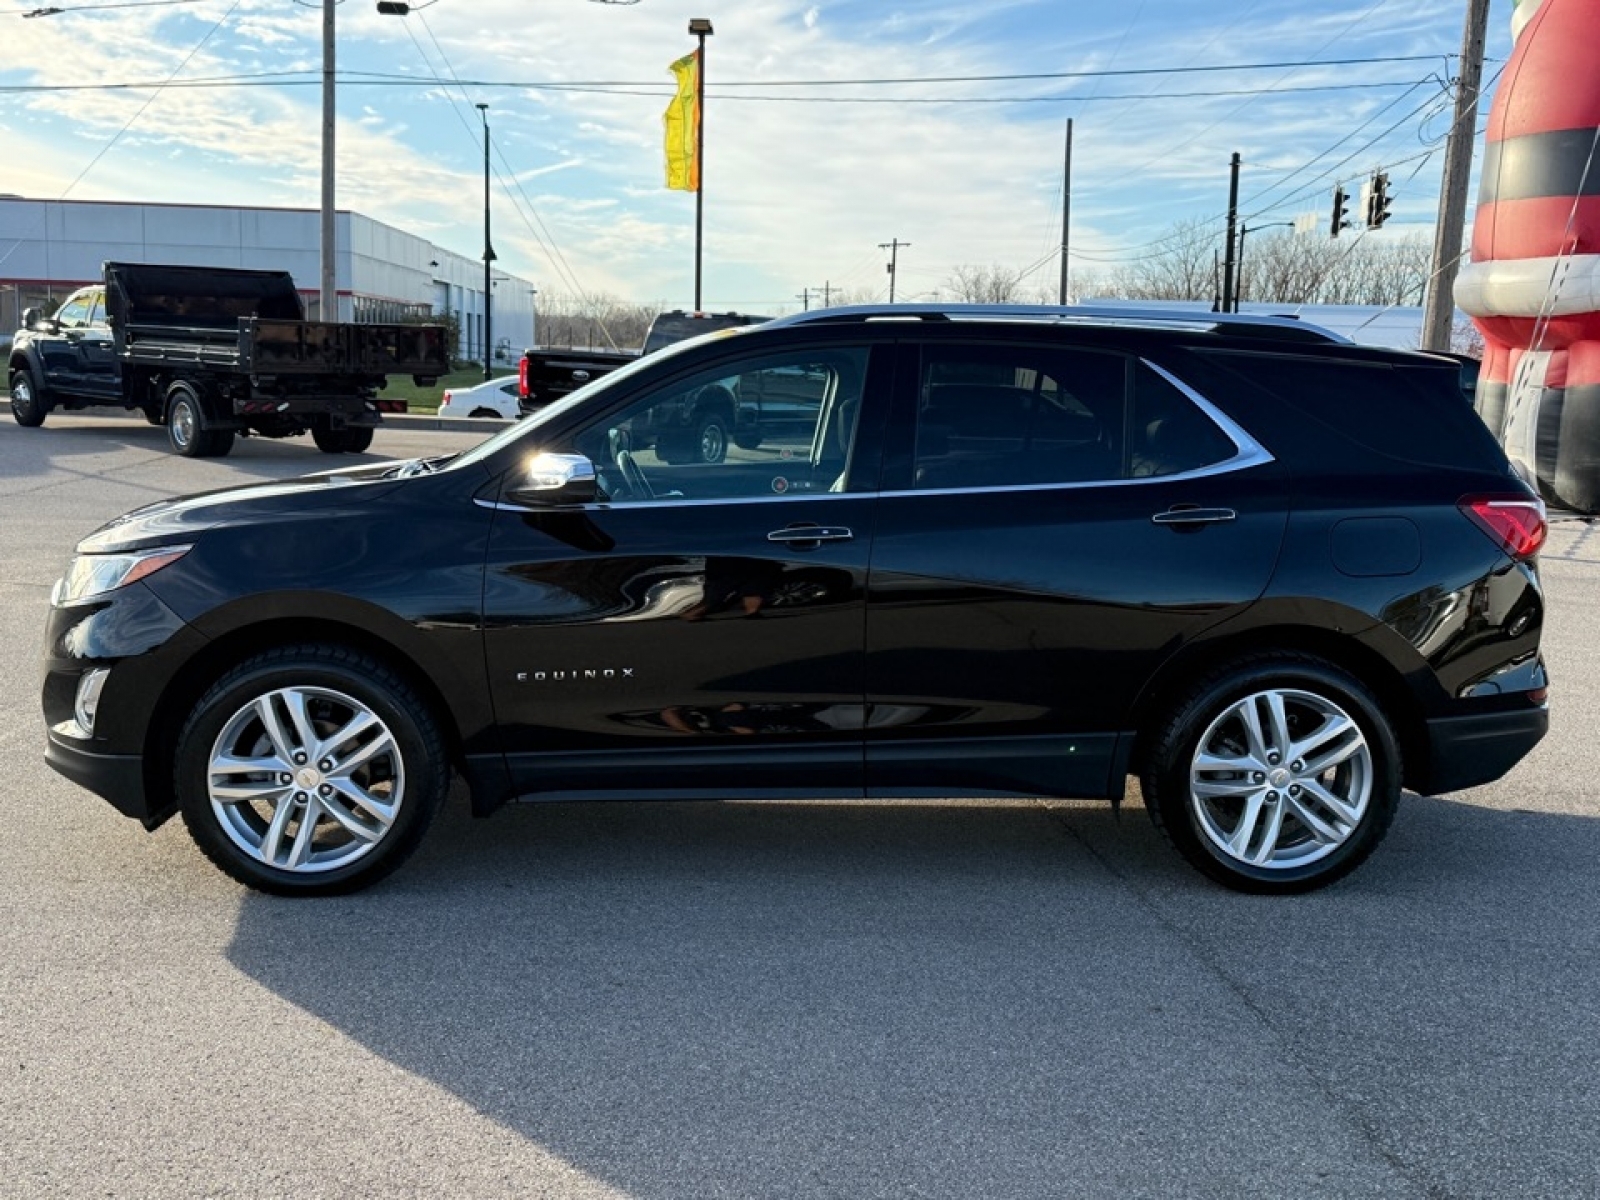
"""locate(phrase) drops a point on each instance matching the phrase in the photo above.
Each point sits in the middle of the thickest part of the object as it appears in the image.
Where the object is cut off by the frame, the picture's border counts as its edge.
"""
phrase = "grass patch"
(426, 399)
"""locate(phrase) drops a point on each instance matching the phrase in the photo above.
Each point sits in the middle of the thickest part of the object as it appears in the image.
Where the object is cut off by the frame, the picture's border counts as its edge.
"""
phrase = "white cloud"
(796, 192)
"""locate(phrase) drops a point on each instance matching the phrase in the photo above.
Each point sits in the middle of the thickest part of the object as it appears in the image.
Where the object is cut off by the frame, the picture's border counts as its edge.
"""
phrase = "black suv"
(1273, 575)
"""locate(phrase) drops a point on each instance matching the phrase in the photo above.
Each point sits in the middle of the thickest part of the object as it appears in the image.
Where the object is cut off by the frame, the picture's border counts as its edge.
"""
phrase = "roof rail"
(1131, 317)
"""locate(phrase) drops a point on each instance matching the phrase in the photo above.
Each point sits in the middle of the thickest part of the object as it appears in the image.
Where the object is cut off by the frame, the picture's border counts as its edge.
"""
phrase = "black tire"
(710, 437)
(1293, 827)
(484, 412)
(408, 774)
(28, 405)
(188, 433)
(351, 439)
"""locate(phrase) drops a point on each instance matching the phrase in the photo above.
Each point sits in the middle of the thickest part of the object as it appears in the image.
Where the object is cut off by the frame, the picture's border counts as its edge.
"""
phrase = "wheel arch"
(1386, 681)
(27, 358)
(21, 356)
(716, 397)
(221, 653)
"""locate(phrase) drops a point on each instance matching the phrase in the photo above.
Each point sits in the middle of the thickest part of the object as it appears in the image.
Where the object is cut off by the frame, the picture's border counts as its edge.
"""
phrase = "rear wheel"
(310, 770)
(187, 433)
(28, 406)
(351, 439)
(1279, 773)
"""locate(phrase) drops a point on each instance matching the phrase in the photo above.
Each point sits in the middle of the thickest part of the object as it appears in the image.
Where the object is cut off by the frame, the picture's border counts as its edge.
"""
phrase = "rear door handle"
(1189, 514)
(810, 534)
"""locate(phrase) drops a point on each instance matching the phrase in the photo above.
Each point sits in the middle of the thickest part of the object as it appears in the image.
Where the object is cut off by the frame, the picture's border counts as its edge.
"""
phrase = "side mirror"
(554, 480)
(30, 317)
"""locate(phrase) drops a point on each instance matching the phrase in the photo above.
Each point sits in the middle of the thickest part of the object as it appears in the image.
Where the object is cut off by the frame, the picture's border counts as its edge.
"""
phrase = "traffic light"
(1378, 201)
(1341, 205)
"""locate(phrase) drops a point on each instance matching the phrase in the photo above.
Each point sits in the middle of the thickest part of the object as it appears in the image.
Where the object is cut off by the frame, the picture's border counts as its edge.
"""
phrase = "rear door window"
(998, 416)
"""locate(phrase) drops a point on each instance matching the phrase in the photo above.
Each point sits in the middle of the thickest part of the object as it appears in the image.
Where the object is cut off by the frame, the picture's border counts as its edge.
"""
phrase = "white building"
(50, 247)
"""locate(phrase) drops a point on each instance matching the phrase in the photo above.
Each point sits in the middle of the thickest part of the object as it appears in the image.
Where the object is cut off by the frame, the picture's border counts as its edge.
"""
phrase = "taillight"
(1516, 523)
(522, 377)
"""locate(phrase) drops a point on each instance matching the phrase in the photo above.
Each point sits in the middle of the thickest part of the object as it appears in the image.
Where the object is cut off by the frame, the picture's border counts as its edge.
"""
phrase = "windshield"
(528, 430)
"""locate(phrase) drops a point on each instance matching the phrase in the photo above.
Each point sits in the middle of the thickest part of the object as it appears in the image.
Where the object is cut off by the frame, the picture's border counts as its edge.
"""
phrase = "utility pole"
(488, 253)
(893, 247)
(1230, 300)
(805, 299)
(1066, 215)
(328, 295)
(1449, 233)
(827, 293)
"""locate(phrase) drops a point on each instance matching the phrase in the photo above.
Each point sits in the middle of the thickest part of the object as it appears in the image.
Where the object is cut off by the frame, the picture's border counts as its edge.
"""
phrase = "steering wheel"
(638, 486)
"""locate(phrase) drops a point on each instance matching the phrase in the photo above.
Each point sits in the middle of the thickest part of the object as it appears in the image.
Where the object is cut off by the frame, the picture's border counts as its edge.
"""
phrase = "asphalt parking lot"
(691, 1001)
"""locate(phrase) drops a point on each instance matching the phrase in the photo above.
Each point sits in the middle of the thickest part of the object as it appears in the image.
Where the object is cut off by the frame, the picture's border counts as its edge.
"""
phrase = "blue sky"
(805, 174)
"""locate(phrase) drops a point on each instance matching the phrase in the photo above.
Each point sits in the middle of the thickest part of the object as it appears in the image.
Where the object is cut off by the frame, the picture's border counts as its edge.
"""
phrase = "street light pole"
(1238, 287)
(488, 248)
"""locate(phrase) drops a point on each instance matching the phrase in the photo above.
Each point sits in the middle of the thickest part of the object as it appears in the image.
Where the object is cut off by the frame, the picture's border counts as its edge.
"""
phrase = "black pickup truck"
(210, 353)
(547, 375)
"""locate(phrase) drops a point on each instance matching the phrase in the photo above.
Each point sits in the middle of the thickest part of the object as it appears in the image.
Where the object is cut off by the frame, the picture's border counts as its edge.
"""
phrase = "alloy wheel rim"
(305, 779)
(22, 395)
(1280, 779)
(183, 423)
(712, 445)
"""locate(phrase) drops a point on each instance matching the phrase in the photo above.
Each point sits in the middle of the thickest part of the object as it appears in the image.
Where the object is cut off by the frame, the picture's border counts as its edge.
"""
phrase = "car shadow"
(957, 999)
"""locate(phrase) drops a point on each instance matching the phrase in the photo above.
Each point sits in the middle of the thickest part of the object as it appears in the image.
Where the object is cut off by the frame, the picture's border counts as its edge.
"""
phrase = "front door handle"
(794, 535)
(1190, 514)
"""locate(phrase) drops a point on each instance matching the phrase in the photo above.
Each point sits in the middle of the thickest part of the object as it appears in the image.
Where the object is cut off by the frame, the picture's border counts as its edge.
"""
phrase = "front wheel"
(1280, 773)
(28, 405)
(711, 438)
(310, 770)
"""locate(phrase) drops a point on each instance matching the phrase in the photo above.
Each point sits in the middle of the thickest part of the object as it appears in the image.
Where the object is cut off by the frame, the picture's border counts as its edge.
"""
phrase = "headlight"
(92, 575)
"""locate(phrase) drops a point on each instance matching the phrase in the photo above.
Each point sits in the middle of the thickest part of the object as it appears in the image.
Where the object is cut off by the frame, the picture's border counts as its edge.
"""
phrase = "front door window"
(779, 425)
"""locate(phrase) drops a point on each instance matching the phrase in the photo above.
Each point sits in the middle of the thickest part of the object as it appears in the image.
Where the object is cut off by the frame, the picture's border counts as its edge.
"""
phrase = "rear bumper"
(1467, 751)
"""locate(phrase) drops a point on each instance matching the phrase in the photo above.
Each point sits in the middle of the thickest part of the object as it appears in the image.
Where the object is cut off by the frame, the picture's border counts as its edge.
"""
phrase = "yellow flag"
(682, 124)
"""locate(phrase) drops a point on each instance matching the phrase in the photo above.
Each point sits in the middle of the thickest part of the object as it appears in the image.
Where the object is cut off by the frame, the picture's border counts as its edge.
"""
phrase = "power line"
(1122, 255)
(288, 79)
(54, 11)
(117, 137)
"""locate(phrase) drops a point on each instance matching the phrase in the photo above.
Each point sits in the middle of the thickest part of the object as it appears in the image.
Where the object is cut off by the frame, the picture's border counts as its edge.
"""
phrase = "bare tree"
(983, 285)
(1182, 265)
(597, 321)
(1299, 269)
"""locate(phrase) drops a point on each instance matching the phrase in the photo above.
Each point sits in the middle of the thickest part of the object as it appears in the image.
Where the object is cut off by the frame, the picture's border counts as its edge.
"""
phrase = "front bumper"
(117, 777)
(143, 643)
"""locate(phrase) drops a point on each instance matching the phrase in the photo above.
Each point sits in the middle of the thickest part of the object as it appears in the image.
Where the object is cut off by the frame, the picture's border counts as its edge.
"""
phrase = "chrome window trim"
(1248, 448)
(1248, 453)
(682, 502)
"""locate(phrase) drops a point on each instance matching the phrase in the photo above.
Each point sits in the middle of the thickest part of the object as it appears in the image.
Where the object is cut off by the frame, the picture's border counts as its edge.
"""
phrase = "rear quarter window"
(1413, 414)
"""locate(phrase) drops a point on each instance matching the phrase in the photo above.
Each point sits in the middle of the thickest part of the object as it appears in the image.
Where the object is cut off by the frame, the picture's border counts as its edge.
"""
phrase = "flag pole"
(699, 26)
